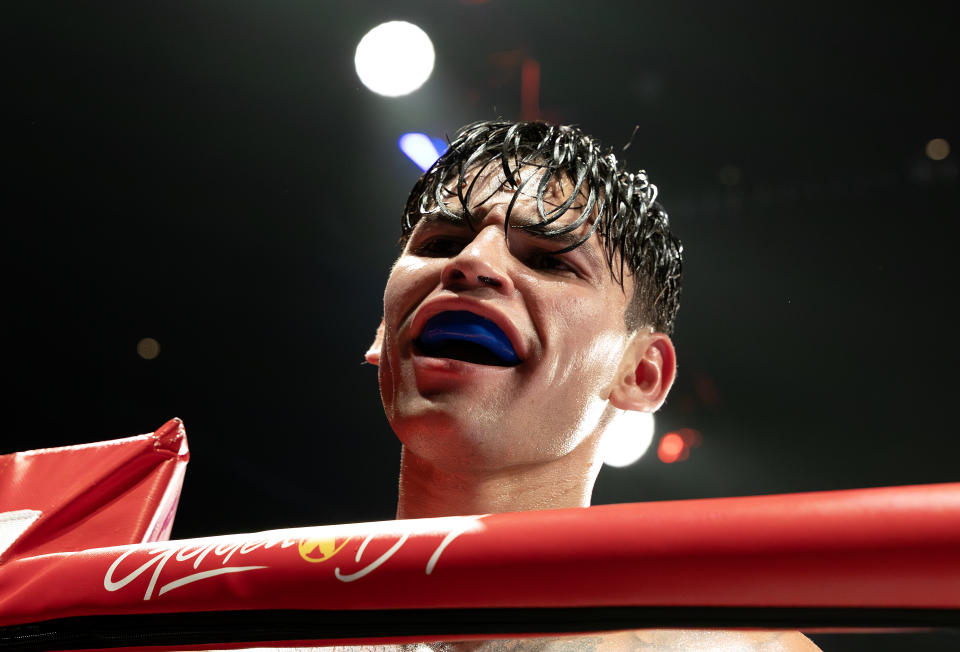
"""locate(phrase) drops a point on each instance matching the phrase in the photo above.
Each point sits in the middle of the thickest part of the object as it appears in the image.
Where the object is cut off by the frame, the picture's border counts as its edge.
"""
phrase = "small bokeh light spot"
(938, 149)
(676, 446)
(148, 348)
(671, 447)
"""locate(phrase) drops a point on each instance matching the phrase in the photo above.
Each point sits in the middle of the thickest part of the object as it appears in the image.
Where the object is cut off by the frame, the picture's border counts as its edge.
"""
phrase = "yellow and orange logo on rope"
(317, 550)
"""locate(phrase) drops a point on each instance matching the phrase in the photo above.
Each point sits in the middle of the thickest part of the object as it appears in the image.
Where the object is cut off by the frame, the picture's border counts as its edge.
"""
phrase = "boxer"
(529, 315)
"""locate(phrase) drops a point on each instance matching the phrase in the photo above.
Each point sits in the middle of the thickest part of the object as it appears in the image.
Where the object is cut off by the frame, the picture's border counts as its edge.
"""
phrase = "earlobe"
(646, 373)
(373, 353)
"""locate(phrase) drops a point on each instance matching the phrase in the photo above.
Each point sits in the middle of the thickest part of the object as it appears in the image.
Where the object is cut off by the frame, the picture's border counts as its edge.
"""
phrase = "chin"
(454, 441)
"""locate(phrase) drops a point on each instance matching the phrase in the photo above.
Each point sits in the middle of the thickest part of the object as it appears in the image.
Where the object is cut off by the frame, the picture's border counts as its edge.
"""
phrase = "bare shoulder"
(646, 640)
(682, 640)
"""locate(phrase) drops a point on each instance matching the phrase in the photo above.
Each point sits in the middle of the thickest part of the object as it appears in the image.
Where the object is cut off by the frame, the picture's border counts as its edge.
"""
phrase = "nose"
(484, 262)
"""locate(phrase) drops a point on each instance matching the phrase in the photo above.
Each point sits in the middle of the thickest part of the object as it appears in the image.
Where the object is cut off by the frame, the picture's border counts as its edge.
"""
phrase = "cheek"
(586, 339)
(410, 280)
(603, 354)
(385, 378)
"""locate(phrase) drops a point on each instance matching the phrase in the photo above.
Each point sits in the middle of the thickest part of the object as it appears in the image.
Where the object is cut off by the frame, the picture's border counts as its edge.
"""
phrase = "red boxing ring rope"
(870, 558)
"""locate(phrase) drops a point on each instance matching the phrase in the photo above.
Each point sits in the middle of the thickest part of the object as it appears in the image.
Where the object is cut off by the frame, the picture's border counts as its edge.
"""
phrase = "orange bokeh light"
(676, 446)
(670, 448)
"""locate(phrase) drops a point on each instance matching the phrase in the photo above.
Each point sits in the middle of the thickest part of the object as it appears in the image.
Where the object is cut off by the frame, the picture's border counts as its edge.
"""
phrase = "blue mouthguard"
(462, 326)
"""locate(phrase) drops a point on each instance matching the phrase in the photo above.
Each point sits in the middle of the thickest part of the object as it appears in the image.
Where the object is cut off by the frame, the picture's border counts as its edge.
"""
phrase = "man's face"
(563, 315)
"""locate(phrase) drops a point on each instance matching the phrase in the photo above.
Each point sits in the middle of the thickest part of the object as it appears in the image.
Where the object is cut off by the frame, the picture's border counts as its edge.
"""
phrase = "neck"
(427, 490)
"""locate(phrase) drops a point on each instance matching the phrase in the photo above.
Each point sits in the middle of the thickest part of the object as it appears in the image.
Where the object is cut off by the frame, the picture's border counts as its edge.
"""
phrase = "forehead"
(533, 201)
(530, 197)
(489, 181)
(548, 218)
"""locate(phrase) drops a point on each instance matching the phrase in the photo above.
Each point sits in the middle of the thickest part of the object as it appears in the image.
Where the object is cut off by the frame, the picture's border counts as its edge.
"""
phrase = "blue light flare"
(421, 149)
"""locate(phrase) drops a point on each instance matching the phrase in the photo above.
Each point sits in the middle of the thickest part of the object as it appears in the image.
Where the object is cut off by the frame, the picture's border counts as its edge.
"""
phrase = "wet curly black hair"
(623, 205)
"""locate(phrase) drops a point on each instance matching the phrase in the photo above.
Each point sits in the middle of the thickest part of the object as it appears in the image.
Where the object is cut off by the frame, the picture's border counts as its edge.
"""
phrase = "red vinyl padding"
(889, 547)
(895, 548)
(102, 494)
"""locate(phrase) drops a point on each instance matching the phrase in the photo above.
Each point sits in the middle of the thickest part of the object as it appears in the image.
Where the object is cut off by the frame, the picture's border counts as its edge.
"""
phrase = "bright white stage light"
(629, 439)
(421, 149)
(394, 58)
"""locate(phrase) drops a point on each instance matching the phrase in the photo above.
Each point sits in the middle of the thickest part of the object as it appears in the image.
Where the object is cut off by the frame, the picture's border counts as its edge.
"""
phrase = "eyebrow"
(562, 239)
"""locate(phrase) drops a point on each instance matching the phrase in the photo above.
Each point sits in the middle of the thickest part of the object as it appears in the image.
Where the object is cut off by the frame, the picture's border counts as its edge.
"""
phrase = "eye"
(551, 263)
(440, 247)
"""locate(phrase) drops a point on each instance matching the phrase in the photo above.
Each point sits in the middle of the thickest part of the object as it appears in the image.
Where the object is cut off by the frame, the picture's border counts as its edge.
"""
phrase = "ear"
(646, 373)
(373, 353)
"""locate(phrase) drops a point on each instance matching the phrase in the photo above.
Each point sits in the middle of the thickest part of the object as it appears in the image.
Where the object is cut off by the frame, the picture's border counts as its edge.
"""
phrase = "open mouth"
(461, 335)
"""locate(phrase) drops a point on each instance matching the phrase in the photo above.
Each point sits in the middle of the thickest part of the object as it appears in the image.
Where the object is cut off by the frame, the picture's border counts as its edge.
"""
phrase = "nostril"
(486, 280)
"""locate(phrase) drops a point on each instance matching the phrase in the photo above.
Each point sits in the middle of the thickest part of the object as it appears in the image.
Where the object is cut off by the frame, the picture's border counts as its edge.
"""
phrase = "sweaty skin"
(648, 640)
(481, 438)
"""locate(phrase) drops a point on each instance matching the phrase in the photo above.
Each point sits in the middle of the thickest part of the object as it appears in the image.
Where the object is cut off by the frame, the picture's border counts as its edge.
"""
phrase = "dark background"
(213, 175)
